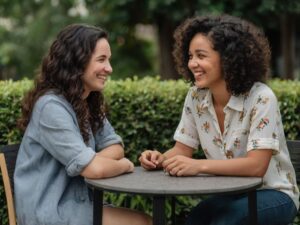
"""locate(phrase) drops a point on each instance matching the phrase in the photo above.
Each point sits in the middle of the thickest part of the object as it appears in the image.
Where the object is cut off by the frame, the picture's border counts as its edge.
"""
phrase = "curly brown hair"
(61, 72)
(244, 50)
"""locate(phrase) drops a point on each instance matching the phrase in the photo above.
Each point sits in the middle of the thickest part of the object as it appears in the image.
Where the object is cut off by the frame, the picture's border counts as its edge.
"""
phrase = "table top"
(157, 182)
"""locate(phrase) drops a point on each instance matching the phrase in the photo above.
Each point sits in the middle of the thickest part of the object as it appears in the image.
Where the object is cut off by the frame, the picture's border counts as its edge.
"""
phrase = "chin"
(200, 84)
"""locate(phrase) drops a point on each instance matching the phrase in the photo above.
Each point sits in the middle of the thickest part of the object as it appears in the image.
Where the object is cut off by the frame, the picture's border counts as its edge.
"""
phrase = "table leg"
(252, 208)
(159, 210)
(97, 207)
(173, 208)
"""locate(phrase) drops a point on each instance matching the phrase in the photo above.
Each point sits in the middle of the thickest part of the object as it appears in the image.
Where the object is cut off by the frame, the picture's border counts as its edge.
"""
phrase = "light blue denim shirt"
(48, 187)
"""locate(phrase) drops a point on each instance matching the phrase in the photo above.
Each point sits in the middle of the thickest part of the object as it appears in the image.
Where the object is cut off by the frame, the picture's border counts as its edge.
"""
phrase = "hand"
(181, 166)
(150, 159)
(128, 165)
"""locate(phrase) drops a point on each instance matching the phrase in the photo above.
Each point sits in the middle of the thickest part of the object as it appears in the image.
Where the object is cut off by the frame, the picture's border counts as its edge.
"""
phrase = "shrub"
(145, 112)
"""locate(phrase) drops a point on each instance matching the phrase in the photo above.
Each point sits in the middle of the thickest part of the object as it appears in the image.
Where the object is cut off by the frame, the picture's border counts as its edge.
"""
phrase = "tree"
(26, 31)
(28, 27)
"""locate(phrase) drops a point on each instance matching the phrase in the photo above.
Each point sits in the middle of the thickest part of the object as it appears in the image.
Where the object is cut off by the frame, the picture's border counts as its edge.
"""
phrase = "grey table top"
(157, 182)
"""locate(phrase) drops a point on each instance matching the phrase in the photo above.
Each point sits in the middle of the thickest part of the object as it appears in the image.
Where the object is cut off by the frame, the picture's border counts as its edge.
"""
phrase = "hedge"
(145, 112)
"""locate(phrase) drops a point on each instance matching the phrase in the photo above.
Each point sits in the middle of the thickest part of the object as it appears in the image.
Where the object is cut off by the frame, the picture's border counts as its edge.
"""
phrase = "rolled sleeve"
(61, 137)
(107, 136)
(186, 132)
(78, 163)
(263, 143)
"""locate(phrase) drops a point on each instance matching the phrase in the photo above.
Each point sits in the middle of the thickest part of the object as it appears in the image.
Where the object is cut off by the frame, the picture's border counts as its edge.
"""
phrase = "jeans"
(273, 208)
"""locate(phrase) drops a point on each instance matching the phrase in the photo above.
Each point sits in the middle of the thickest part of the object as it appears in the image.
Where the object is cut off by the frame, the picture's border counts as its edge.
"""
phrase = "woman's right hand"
(151, 159)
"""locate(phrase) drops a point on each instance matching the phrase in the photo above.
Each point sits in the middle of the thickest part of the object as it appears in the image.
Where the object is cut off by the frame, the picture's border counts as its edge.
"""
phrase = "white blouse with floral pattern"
(252, 121)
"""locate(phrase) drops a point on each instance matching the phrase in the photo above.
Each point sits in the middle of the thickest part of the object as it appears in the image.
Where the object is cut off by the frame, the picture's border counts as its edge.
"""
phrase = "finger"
(168, 162)
(146, 163)
(174, 171)
(181, 171)
(155, 155)
(171, 166)
(147, 167)
(161, 159)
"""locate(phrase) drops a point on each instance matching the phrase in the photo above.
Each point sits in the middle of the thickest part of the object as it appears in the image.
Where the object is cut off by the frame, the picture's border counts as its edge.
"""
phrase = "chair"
(8, 156)
(294, 149)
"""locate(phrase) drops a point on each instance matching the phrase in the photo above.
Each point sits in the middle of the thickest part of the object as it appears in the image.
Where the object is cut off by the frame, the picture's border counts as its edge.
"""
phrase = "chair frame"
(8, 185)
(293, 147)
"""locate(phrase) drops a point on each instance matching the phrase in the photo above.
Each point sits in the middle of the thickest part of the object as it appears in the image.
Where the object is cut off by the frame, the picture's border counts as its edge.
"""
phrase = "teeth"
(101, 77)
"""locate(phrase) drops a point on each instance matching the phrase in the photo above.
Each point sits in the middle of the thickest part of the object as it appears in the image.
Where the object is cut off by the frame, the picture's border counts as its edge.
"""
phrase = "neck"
(220, 95)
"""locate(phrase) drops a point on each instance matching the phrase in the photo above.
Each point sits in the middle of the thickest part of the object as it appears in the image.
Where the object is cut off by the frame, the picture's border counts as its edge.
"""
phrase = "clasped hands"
(177, 165)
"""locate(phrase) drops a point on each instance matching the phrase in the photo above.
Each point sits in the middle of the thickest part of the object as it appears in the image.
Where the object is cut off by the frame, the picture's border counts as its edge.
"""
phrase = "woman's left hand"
(180, 165)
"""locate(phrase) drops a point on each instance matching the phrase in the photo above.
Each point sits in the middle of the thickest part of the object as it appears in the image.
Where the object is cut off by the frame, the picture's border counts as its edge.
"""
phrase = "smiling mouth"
(102, 77)
(198, 75)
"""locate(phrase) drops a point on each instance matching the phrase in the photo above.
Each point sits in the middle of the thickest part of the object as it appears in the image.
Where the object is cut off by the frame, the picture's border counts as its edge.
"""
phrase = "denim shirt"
(48, 187)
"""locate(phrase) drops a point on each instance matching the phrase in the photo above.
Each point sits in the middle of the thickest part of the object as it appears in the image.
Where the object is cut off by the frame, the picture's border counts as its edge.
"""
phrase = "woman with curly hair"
(67, 136)
(234, 116)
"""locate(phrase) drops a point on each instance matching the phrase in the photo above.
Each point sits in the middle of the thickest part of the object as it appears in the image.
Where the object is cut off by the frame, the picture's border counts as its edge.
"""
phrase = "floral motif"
(206, 126)
(262, 123)
(237, 143)
(217, 141)
(242, 115)
(254, 144)
(252, 114)
(200, 110)
(229, 154)
(188, 110)
(262, 100)
(195, 95)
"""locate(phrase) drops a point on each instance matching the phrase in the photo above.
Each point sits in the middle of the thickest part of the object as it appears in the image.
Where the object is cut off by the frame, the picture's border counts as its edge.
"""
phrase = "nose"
(192, 63)
(108, 68)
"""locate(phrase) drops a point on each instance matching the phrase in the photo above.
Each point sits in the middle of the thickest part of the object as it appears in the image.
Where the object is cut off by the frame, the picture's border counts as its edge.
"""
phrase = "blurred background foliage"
(145, 113)
(140, 31)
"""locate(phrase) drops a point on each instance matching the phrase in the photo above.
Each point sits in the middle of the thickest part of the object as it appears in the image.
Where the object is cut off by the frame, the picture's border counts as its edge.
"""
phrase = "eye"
(201, 56)
(101, 59)
(190, 56)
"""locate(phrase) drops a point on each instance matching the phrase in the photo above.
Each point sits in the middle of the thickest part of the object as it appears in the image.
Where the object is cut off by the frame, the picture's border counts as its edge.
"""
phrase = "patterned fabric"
(48, 187)
(252, 121)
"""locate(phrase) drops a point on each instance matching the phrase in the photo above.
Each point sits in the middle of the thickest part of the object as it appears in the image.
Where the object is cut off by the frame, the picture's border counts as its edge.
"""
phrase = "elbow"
(259, 172)
(92, 172)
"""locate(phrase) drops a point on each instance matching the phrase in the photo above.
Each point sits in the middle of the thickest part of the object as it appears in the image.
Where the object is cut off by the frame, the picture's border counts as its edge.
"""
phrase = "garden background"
(145, 93)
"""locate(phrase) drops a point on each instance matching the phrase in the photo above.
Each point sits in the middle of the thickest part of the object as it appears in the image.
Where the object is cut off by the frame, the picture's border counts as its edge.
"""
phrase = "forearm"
(179, 149)
(102, 167)
(248, 166)
(115, 151)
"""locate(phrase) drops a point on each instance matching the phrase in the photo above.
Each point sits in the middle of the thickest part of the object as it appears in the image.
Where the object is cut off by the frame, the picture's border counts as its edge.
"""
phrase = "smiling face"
(98, 68)
(205, 63)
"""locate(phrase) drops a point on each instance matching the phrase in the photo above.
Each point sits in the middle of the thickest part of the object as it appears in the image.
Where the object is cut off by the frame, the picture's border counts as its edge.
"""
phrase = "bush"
(145, 112)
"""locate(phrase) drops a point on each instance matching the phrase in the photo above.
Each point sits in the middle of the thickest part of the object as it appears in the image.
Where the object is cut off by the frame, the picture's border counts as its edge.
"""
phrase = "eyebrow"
(201, 51)
(103, 56)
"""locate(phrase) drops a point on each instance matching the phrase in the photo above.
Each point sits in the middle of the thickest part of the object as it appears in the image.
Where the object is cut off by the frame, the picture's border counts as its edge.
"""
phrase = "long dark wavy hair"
(244, 50)
(61, 72)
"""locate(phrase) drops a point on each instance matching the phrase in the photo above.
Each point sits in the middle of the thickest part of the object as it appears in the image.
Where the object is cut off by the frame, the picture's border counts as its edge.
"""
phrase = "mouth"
(198, 74)
(101, 77)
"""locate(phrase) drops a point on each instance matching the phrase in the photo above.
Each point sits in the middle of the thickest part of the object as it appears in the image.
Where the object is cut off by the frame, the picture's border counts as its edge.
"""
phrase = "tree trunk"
(288, 45)
(165, 40)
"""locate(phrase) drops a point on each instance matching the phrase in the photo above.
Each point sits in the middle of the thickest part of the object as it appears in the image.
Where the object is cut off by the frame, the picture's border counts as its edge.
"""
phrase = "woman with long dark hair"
(67, 136)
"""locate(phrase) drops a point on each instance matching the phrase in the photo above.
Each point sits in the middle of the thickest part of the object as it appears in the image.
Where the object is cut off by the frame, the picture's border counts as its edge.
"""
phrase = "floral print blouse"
(252, 121)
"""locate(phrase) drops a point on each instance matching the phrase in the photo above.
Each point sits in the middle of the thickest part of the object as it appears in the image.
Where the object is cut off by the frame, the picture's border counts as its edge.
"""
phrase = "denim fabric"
(48, 187)
(274, 208)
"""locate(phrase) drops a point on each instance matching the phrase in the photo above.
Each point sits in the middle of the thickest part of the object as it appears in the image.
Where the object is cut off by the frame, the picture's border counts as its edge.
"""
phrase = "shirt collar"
(235, 102)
